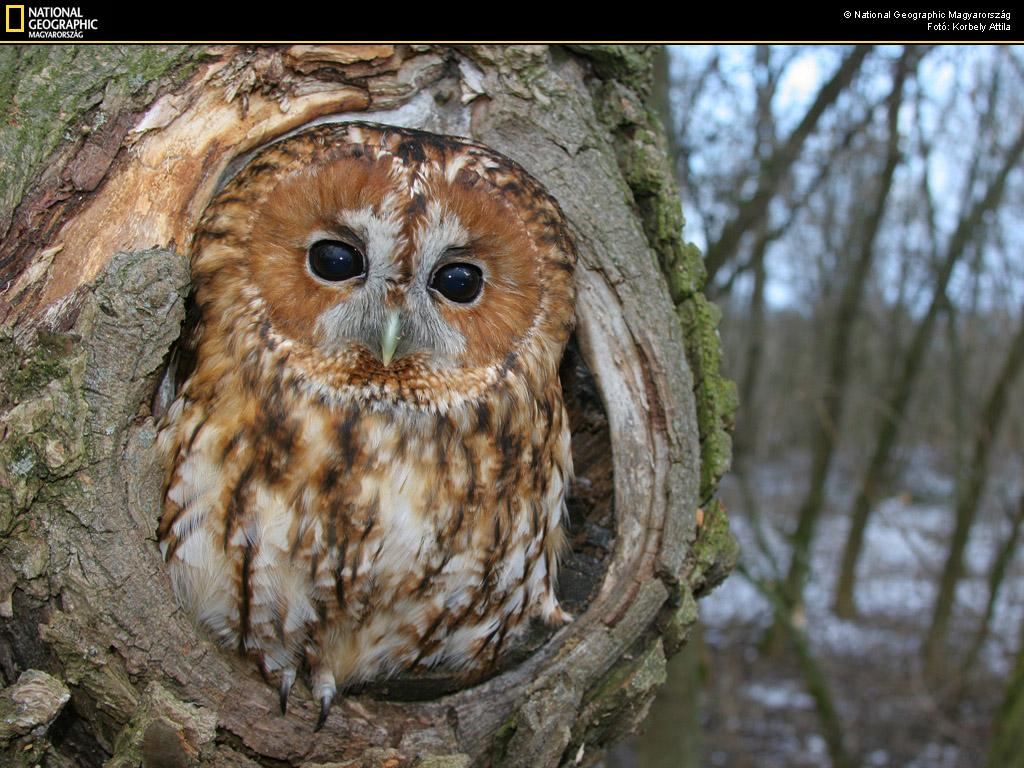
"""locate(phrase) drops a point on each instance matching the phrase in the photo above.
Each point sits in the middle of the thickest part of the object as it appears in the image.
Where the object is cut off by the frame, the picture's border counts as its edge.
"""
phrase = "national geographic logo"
(49, 22)
(15, 18)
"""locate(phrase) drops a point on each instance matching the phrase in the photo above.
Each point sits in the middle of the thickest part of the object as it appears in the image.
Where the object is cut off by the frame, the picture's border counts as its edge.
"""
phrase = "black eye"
(458, 282)
(334, 260)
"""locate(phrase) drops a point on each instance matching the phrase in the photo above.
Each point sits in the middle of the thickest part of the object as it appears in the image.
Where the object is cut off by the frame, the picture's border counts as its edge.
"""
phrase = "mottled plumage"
(365, 476)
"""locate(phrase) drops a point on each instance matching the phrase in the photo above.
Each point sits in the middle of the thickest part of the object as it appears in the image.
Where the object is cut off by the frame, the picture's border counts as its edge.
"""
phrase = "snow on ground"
(781, 696)
(892, 717)
(904, 552)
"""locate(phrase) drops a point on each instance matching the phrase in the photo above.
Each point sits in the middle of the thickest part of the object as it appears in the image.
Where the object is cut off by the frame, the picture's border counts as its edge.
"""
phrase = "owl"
(367, 466)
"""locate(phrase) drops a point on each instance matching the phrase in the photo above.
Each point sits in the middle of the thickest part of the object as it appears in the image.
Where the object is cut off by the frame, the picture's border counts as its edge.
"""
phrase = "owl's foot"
(287, 680)
(323, 691)
(555, 617)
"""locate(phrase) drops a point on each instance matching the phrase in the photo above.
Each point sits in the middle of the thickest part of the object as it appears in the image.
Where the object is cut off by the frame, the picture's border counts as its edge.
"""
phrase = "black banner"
(30, 22)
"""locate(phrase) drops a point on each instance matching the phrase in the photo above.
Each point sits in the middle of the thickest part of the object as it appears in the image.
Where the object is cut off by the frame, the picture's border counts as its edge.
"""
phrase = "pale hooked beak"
(389, 338)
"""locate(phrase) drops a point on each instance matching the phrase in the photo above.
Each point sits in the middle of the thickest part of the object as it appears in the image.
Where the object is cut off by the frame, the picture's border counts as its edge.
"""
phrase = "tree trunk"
(968, 501)
(113, 154)
(826, 429)
(1007, 750)
(996, 580)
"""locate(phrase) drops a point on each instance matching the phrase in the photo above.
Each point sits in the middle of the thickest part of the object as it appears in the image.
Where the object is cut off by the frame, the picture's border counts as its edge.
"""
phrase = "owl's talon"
(287, 679)
(323, 691)
(325, 708)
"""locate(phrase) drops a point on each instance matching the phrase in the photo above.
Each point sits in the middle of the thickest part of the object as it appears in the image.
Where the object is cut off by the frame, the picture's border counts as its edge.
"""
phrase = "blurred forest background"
(861, 211)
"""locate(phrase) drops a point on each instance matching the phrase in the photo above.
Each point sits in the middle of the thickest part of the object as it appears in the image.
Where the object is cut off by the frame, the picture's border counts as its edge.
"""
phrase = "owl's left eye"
(335, 261)
(460, 283)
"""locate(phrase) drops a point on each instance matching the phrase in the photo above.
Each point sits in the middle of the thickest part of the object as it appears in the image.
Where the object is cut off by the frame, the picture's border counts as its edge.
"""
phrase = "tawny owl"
(367, 467)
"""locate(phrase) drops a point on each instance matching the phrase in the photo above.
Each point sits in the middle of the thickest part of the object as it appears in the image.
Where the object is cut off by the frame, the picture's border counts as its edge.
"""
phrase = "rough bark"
(96, 226)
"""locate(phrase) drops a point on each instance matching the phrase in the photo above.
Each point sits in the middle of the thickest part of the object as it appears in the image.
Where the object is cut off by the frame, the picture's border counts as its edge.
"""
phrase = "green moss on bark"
(675, 626)
(165, 731)
(100, 686)
(631, 65)
(42, 415)
(617, 706)
(643, 159)
(27, 710)
(715, 551)
(444, 761)
(716, 395)
(46, 91)
(502, 737)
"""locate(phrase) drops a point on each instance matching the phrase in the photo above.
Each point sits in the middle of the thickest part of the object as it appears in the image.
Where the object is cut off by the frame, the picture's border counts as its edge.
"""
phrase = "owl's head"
(387, 259)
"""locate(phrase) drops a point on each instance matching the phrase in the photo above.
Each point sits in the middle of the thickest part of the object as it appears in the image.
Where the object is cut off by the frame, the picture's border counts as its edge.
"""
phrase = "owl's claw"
(323, 691)
(287, 679)
(325, 708)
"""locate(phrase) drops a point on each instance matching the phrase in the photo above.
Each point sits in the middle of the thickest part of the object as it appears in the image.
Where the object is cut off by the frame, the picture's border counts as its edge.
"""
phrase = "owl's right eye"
(334, 261)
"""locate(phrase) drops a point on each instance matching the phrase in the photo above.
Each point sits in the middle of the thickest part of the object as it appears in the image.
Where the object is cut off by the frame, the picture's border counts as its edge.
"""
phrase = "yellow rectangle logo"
(15, 18)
